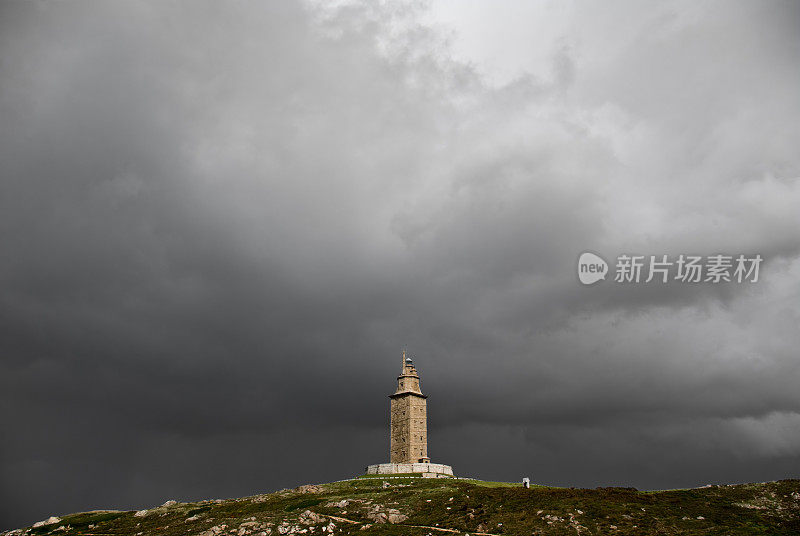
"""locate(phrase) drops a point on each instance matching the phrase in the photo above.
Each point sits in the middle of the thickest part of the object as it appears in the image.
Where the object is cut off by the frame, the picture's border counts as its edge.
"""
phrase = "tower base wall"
(428, 470)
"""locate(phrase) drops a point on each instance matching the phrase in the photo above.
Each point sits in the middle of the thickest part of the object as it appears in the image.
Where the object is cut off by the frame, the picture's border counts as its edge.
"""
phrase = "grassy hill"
(415, 506)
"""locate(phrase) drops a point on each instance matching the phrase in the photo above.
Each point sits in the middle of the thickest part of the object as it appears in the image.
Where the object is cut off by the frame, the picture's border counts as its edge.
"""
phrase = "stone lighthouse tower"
(408, 416)
(408, 430)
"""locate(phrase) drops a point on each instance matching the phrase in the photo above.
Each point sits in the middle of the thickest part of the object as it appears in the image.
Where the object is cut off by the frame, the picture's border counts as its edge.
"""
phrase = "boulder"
(49, 521)
(311, 518)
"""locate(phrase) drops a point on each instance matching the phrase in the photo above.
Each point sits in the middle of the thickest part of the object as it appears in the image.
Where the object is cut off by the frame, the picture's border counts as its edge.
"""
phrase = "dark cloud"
(221, 223)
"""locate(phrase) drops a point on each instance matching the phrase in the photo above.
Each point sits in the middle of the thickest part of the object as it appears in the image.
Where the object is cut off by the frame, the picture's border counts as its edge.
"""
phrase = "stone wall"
(435, 469)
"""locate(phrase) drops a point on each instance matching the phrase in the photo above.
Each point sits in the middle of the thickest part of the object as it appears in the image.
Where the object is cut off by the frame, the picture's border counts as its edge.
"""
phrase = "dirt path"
(440, 529)
(443, 529)
(342, 519)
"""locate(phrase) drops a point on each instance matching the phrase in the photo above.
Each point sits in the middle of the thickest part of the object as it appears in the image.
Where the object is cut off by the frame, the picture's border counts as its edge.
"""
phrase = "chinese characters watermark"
(663, 268)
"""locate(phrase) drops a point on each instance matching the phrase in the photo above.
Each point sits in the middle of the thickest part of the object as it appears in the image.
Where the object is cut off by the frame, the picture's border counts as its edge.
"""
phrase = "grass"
(81, 521)
(197, 511)
(305, 503)
(394, 475)
(466, 506)
(490, 484)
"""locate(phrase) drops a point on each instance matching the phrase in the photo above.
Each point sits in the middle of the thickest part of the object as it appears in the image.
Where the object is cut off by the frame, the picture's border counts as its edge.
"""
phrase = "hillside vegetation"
(416, 506)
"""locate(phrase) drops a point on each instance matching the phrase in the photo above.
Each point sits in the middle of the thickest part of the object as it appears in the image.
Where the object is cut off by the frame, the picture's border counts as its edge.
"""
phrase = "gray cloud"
(220, 224)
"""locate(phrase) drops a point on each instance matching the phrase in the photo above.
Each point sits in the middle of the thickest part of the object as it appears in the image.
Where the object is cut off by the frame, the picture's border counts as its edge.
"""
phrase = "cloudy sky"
(221, 222)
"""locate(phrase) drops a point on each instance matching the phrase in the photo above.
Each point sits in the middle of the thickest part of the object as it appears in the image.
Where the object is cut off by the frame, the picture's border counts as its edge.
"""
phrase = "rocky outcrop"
(381, 514)
(308, 488)
(49, 521)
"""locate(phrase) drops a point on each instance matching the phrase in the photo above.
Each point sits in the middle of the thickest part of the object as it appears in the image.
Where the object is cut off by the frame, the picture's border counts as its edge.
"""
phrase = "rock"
(248, 527)
(169, 503)
(380, 515)
(49, 521)
(308, 488)
(377, 517)
(214, 531)
(193, 518)
(310, 518)
(394, 516)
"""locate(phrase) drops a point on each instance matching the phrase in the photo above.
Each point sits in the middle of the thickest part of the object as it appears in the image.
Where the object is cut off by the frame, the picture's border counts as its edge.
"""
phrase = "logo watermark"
(591, 268)
(716, 268)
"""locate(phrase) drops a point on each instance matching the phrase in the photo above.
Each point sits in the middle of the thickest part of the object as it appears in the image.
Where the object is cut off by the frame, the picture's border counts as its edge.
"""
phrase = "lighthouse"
(408, 418)
(408, 429)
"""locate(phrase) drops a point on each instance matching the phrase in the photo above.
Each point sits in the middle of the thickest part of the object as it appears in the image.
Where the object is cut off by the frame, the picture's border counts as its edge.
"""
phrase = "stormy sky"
(220, 223)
